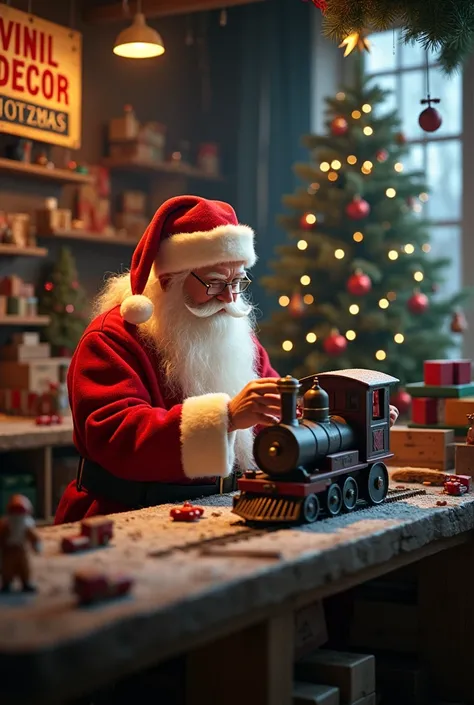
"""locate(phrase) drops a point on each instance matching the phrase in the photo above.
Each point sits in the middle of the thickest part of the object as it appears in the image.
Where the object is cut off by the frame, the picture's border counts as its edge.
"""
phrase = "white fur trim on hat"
(136, 309)
(207, 448)
(226, 243)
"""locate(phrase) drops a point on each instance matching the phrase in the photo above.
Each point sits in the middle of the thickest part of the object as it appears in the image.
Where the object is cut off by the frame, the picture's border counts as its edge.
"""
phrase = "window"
(401, 68)
(378, 405)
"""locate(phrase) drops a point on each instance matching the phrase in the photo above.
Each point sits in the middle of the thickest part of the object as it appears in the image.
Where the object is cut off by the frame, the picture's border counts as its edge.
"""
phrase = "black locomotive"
(328, 458)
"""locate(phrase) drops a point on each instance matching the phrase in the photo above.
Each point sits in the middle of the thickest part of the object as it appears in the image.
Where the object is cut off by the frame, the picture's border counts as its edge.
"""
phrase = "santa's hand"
(393, 414)
(258, 404)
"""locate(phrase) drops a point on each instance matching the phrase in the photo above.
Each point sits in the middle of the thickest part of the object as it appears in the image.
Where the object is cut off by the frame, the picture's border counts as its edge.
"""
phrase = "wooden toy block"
(464, 459)
(423, 448)
(462, 371)
(353, 674)
(312, 694)
(419, 389)
(438, 372)
(424, 410)
(456, 411)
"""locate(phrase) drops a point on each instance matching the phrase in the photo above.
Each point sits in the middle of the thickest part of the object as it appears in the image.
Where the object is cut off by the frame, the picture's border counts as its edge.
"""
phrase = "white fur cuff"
(186, 251)
(207, 449)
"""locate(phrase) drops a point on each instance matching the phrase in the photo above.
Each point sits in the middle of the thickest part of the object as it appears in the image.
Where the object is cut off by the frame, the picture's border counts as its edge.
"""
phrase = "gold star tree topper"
(353, 40)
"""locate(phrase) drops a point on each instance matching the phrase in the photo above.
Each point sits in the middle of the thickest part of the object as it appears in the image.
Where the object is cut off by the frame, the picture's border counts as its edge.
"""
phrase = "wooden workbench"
(234, 610)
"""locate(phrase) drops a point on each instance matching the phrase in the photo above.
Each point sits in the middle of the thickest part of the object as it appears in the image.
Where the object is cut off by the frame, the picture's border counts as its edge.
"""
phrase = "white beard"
(202, 355)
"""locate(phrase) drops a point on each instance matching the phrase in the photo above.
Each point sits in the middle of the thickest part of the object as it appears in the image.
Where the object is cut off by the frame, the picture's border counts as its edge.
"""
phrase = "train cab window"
(352, 401)
(378, 404)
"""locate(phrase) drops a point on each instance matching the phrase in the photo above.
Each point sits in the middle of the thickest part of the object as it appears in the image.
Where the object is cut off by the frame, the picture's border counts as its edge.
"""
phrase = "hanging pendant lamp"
(139, 41)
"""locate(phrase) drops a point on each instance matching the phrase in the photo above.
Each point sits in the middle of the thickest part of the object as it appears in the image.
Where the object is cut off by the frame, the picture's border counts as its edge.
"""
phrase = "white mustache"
(236, 309)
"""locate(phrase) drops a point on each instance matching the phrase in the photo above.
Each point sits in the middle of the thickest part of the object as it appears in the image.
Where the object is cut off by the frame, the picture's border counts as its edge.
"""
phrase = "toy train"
(326, 460)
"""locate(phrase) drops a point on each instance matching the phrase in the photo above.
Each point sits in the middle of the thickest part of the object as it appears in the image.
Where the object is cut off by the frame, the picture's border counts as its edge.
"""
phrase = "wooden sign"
(40, 79)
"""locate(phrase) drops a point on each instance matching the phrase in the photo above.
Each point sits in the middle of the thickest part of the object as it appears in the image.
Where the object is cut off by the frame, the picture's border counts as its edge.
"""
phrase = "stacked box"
(445, 397)
(353, 675)
(422, 447)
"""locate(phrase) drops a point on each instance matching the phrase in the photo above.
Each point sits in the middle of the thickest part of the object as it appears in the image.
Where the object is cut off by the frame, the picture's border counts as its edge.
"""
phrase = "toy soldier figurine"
(17, 529)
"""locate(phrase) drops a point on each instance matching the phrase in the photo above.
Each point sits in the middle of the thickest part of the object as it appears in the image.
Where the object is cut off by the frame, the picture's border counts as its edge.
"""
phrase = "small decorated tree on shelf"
(357, 285)
(65, 302)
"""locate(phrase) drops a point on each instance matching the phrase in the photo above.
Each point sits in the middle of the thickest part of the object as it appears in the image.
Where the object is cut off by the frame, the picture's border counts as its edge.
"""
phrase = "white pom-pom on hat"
(136, 309)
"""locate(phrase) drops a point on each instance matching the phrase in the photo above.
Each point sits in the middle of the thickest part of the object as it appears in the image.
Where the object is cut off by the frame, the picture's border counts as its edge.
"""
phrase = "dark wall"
(191, 89)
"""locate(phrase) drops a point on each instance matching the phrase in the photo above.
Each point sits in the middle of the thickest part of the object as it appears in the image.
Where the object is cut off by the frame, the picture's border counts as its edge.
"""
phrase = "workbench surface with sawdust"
(180, 595)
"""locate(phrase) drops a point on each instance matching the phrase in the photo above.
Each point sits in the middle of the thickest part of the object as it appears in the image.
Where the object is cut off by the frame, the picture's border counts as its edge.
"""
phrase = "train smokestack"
(288, 387)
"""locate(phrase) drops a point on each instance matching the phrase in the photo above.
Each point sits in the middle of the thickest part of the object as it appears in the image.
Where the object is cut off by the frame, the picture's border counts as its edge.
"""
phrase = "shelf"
(90, 237)
(24, 321)
(36, 171)
(15, 251)
(136, 165)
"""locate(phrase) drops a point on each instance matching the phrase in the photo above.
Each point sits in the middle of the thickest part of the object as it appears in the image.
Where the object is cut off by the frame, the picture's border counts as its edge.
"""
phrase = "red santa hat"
(187, 232)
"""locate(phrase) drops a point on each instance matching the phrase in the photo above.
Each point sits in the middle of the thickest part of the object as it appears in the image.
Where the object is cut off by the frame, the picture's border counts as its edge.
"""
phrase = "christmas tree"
(357, 286)
(65, 302)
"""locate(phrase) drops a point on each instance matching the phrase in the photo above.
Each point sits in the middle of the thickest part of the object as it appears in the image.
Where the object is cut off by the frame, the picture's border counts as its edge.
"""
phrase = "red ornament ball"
(382, 155)
(308, 221)
(339, 126)
(335, 344)
(430, 120)
(359, 284)
(357, 208)
(418, 303)
(402, 400)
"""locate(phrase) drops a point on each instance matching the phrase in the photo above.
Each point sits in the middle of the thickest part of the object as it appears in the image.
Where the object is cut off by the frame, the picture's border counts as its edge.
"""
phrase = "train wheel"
(310, 509)
(377, 483)
(334, 499)
(350, 494)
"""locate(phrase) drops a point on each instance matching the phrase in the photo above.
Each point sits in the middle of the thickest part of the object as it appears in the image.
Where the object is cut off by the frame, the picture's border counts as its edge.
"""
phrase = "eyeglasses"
(237, 286)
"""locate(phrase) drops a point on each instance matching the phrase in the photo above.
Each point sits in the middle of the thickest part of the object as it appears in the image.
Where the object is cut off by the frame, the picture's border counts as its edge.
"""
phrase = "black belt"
(93, 478)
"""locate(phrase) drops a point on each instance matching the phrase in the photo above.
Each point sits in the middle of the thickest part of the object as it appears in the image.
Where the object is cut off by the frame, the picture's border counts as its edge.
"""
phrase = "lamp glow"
(139, 41)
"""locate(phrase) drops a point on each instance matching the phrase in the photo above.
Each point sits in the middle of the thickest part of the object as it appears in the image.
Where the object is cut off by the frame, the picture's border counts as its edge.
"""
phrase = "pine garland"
(445, 27)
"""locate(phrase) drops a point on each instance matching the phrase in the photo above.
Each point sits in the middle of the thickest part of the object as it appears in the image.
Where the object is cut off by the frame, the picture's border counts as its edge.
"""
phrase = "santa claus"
(169, 381)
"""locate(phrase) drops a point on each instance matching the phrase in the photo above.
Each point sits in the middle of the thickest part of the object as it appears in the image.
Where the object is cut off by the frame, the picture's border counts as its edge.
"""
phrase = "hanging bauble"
(400, 138)
(458, 322)
(296, 305)
(418, 303)
(357, 208)
(335, 344)
(359, 284)
(382, 155)
(430, 120)
(308, 221)
(402, 400)
(339, 126)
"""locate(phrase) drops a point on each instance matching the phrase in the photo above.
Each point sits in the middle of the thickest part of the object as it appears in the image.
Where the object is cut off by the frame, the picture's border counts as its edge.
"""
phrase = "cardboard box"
(34, 376)
(352, 674)
(25, 353)
(422, 448)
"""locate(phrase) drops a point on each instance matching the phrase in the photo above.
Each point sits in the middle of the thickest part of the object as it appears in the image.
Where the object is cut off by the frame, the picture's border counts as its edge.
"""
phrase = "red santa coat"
(126, 422)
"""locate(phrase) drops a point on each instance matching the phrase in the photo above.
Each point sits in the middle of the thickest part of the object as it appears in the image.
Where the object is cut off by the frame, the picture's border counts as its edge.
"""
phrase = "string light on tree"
(368, 131)
(356, 114)
(390, 193)
(324, 166)
(352, 159)
(336, 164)
(393, 255)
(358, 236)
(399, 338)
(409, 249)
(380, 355)
(340, 95)
(418, 276)
(287, 345)
(426, 247)
(398, 166)
(305, 280)
(384, 303)
(284, 301)
(311, 338)
(366, 108)
(382, 155)
(339, 254)
(351, 334)
(308, 221)
(302, 245)
(354, 309)
(308, 299)
(332, 176)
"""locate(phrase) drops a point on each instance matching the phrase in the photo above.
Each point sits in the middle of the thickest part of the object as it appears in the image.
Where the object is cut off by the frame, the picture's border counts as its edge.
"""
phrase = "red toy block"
(438, 373)
(462, 371)
(424, 410)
